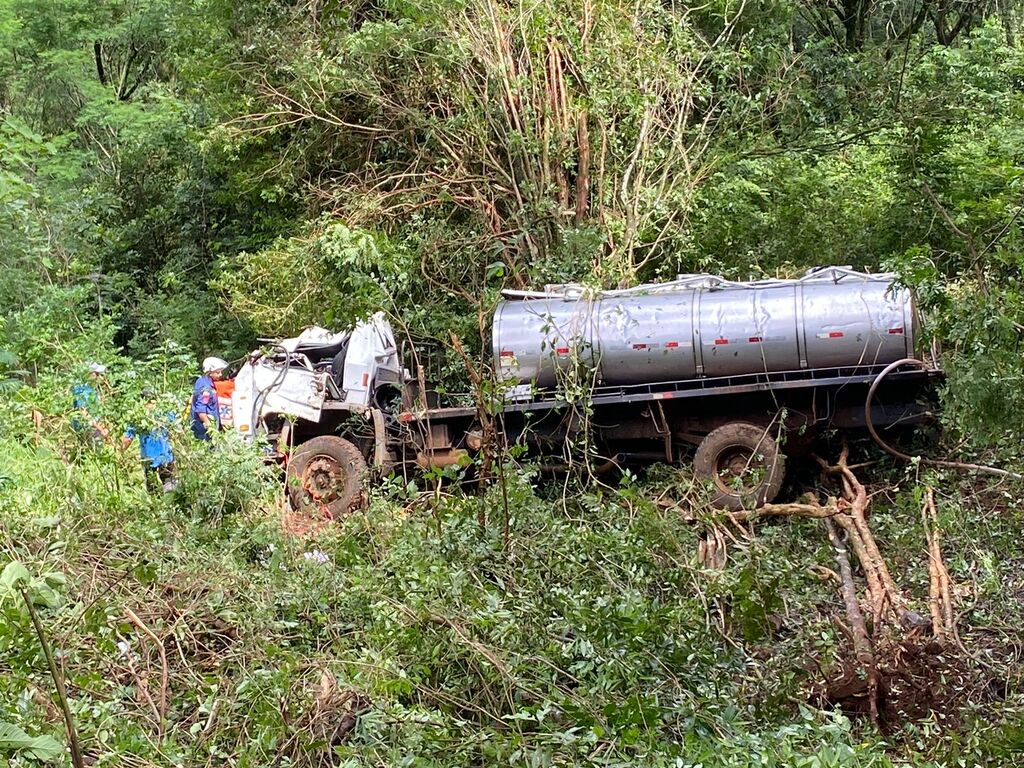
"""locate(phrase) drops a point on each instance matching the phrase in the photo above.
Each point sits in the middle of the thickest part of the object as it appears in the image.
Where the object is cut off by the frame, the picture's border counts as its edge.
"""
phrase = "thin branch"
(58, 681)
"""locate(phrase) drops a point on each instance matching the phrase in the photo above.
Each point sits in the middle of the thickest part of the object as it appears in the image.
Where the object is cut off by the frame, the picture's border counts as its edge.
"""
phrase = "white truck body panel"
(314, 336)
(370, 346)
(284, 380)
(267, 386)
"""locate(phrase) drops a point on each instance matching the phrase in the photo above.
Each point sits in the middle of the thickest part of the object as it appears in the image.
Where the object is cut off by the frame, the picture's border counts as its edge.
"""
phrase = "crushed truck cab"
(295, 377)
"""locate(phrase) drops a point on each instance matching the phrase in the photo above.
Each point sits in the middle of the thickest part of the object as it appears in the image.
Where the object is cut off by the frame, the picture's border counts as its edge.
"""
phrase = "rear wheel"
(743, 463)
(326, 476)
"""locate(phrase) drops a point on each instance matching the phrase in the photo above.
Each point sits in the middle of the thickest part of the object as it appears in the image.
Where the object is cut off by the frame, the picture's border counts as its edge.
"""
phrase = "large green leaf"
(14, 576)
(13, 740)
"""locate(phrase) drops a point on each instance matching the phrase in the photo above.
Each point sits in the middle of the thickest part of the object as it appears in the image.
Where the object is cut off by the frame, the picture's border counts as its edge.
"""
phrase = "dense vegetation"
(178, 177)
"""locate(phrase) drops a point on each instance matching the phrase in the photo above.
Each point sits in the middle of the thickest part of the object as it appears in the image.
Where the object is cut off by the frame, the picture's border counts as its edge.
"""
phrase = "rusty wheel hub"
(736, 463)
(323, 479)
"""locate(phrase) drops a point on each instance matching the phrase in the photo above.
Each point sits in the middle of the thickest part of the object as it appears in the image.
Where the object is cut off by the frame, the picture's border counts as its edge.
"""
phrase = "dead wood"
(897, 667)
(862, 647)
(940, 597)
(883, 593)
(795, 509)
(161, 705)
(711, 549)
(326, 723)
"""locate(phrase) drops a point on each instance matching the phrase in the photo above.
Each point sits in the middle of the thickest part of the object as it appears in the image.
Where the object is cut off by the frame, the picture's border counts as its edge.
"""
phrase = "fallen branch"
(141, 687)
(883, 632)
(162, 701)
(882, 591)
(796, 509)
(858, 628)
(711, 550)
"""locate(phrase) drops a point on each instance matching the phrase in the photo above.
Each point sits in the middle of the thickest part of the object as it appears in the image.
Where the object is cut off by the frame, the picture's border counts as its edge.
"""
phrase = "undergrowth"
(406, 635)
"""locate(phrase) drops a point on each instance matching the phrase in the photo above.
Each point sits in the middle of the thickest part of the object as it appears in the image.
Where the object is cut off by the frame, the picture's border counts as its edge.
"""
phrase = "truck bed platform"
(699, 387)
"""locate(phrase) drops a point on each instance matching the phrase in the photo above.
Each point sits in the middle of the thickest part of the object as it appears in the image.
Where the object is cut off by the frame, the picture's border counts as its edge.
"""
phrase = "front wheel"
(326, 476)
(743, 463)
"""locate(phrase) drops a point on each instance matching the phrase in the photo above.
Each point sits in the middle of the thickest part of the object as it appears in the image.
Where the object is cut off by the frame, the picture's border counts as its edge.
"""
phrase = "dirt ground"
(918, 678)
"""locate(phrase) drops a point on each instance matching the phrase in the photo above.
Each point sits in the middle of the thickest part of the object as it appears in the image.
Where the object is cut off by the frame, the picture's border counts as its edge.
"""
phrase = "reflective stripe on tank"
(657, 345)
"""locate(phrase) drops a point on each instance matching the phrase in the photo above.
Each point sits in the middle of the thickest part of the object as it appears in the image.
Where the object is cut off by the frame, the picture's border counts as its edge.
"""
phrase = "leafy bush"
(224, 477)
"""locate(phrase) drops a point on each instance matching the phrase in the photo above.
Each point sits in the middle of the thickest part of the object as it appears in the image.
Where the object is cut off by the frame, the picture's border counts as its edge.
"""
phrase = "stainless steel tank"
(701, 325)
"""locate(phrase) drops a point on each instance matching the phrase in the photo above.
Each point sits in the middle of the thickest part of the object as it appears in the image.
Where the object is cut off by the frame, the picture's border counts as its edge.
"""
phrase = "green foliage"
(16, 581)
(963, 192)
(591, 635)
(335, 275)
(373, 158)
(222, 478)
(178, 178)
(587, 634)
(762, 215)
(14, 741)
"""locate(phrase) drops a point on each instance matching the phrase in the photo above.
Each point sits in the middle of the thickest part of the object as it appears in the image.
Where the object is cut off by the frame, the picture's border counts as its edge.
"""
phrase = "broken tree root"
(862, 647)
(897, 668)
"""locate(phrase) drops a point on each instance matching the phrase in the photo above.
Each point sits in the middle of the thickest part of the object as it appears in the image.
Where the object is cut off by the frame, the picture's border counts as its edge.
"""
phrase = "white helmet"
(212, 364)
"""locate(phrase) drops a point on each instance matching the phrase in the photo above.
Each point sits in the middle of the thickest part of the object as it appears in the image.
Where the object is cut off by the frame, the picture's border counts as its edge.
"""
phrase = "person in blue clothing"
(85, 400)
(154, 448)
(203, 411)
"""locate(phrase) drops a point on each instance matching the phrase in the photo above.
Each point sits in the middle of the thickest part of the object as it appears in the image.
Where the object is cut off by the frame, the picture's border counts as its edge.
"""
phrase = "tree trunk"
(97, 49)
(583, 168)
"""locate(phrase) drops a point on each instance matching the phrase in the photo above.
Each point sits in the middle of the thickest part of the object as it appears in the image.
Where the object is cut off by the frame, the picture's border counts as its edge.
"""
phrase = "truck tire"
(326, 475)
(743, 463)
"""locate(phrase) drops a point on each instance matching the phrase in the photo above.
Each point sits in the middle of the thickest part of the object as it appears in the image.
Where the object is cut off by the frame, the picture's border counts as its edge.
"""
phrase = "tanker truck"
(730, 375)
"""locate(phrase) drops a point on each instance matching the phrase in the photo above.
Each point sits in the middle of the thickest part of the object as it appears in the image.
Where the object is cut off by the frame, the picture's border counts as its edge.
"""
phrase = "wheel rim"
(323, 481)
(739, 470)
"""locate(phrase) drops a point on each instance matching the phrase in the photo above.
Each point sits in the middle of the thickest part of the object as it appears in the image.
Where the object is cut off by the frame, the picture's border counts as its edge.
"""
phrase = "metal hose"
(906, 457)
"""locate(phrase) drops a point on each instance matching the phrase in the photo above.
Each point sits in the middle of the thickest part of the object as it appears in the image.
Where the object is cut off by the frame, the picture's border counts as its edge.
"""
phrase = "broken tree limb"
(940, 585)
(162, 701)
(794, 509)
(858, 628)
(711, 550)
(882, 590)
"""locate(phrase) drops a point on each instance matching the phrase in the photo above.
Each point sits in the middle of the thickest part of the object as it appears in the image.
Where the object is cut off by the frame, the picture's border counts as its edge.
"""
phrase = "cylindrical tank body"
(704, 326)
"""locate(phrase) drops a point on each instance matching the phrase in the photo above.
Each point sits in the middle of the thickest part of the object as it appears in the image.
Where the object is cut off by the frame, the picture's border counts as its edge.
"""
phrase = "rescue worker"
(203, 412)
(85, 399)
(154, 446)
